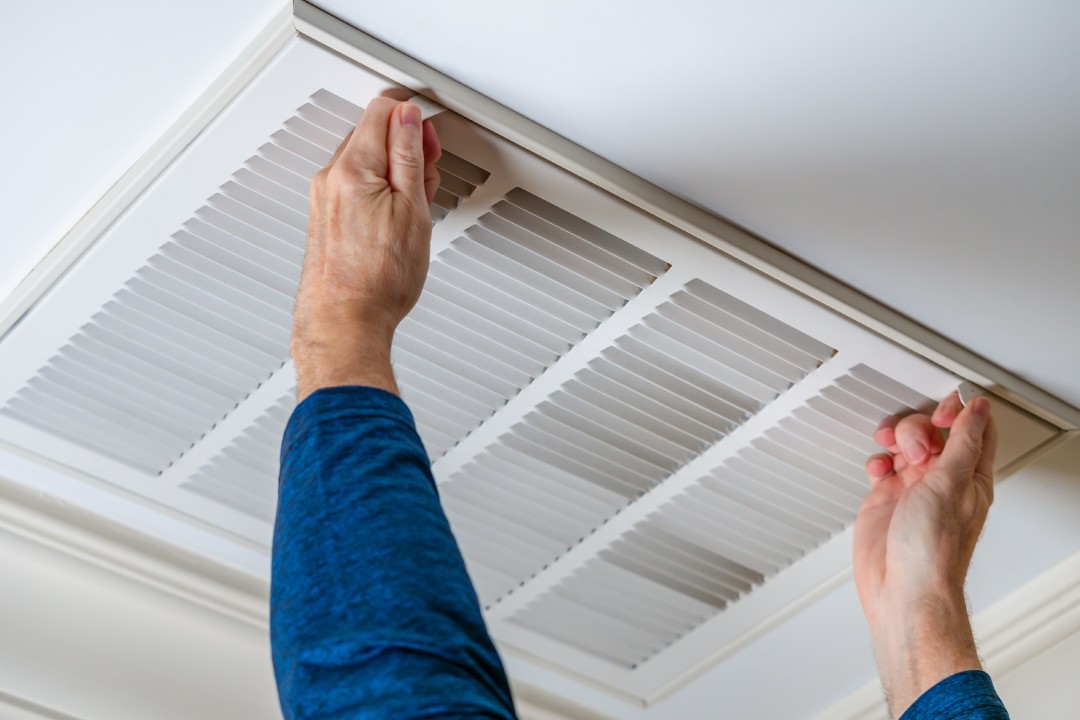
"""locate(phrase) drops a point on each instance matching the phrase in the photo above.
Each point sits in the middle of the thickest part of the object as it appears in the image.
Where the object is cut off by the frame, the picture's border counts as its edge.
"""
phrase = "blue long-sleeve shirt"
(372, 612)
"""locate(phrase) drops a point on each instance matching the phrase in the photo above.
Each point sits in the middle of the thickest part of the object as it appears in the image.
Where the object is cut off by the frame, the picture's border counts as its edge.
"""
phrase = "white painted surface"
(923, 153)
(90, 644)
(91, 86)
(1045, 687)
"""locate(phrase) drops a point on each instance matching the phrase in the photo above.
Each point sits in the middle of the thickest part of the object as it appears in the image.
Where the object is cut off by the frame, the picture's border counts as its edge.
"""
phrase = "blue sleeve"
(372, 613)
(967, 695)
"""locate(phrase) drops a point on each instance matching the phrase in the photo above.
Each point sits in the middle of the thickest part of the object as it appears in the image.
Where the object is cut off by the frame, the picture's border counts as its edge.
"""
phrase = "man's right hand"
(369, 240)
(914, 538)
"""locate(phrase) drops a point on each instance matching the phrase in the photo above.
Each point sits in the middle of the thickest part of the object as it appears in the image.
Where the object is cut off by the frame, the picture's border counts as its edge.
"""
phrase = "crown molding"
(126, 552)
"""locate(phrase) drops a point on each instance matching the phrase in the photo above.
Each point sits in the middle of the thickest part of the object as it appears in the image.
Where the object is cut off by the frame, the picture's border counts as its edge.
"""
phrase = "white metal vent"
(754, 514)
(207, 319)
(500, 305)
(503, 303)
(672, 386)
(628, 428)
(244, 474)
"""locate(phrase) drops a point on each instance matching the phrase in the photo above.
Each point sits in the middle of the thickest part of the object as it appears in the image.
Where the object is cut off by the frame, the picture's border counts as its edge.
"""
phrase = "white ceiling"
(926, 153)
(91, 86)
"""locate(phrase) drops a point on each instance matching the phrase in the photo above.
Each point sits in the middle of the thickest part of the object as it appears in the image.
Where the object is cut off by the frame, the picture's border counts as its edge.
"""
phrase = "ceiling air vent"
(659, 396)
(647, 449)
(207, 319)
(755, 513)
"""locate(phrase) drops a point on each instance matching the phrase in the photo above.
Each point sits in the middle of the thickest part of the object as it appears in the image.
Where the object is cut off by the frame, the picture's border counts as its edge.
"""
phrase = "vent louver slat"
(759, 511)
(458, 180)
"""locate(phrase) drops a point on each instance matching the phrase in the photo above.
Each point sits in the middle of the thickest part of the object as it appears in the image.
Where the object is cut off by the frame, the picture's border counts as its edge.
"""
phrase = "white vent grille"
(503, 303)
(756, 513)
(207, 320)
(244, 474)
(488, 323)
(661, 395)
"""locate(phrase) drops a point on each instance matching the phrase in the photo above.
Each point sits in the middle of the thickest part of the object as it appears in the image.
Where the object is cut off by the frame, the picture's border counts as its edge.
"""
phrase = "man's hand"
(914, 538)
(369, 237)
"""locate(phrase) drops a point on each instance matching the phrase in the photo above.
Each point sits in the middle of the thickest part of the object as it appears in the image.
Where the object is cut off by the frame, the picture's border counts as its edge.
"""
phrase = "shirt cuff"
(346, 402)
(968, 694)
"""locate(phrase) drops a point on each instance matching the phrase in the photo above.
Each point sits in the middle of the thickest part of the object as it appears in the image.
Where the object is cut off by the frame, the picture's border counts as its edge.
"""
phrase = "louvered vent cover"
(645, 448)
(754, 514)
(207, 319)
(658, 397)
(243, 475)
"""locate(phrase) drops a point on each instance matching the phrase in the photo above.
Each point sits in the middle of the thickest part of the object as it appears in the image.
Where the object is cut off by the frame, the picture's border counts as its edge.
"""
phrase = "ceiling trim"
(341, 37)
(266, 44)
(93, 539)
(1024, 624)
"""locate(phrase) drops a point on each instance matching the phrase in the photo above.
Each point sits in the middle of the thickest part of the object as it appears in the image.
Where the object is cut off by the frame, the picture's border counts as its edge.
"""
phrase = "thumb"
(964, 449)
(405, 151)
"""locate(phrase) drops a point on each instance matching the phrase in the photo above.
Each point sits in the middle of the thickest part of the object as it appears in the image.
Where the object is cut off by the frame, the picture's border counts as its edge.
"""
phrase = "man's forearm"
(351, 357)
(914, 537)
(920, 644)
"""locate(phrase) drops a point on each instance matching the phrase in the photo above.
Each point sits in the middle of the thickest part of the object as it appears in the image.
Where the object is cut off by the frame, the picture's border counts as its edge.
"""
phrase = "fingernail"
(916, 452)
(980, 406)
(410, 115)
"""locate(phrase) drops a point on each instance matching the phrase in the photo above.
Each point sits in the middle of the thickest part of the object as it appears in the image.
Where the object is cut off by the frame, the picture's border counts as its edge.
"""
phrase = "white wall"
(1045, 687)
(87, 643)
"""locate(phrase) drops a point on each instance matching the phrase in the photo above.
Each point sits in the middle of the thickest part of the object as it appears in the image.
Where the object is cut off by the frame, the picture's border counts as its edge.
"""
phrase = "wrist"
(352, 357)
(921, 640)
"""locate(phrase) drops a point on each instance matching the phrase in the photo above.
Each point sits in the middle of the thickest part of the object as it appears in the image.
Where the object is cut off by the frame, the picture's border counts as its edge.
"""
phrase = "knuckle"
(339, 177)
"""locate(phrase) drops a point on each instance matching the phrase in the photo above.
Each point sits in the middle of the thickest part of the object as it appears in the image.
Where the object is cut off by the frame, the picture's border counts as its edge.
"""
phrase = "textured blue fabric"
(372, 612)
(968, 695)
